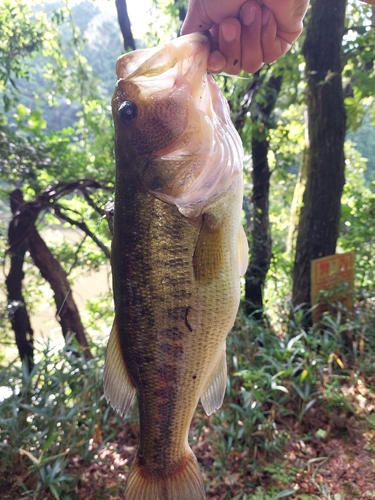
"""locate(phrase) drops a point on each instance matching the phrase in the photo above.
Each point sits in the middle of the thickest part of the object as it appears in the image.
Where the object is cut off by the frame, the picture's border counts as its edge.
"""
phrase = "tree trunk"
(18, 241)
(51, 270)
(181, 10)
(22, 237)
(124, 22)
(261, 251)
(320, 214)
(295, 209)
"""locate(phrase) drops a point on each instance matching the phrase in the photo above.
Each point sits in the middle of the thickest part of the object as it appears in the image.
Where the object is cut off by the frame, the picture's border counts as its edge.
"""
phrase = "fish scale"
(176, 264)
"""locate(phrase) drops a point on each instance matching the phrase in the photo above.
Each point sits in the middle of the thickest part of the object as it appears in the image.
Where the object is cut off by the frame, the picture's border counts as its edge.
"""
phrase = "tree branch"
(19, 230)
(51, 270)
(124, 22)
(81, 225)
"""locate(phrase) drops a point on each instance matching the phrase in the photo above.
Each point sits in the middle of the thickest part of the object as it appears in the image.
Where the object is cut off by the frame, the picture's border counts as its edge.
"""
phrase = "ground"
(337, 468)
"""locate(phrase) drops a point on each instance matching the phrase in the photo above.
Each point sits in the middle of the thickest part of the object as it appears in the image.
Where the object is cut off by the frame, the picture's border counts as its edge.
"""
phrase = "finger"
(216, 60)
(272, 46)
(230, 44)
(214, 32)
(289, 13)
(196, 19)
(251, 48)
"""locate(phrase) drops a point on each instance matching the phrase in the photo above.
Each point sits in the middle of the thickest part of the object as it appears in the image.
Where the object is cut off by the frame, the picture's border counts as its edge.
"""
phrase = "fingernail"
(229, 32)
(265, 16)
(248, 13)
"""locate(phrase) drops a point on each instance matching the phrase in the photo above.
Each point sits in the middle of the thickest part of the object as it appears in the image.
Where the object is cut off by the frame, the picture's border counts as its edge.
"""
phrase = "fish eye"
(128, 111)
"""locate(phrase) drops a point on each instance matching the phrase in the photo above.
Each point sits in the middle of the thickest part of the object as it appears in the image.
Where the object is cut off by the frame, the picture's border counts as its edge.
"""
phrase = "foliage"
(366, 147)
(166, 23)
(280, 388)
(284, 386)
(36, 153)
(55, 70)
(359, 69)
(52, 416)
(358, 209)
(38, 84)
(20, 39)
(285, 379)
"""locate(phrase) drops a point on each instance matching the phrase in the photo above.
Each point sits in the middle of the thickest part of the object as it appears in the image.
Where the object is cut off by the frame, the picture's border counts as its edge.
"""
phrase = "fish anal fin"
(213, 395)
(243, 251)
(184, 484)
(208, 256)
(118, 389)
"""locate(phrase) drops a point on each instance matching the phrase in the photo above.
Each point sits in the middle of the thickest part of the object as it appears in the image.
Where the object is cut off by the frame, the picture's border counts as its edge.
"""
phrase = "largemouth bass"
(178, 252)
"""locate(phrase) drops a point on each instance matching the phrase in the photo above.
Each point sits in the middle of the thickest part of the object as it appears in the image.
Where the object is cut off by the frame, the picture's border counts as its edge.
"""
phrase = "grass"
(284, 387)
(51, 417)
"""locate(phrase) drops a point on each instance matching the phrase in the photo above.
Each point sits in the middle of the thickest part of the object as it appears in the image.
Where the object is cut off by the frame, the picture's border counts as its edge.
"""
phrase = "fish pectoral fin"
(118, 389)
(243, 251)
(208, 255)
(213, 395)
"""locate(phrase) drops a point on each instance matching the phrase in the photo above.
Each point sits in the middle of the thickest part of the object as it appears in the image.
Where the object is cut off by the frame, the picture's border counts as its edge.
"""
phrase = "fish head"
(172, 123)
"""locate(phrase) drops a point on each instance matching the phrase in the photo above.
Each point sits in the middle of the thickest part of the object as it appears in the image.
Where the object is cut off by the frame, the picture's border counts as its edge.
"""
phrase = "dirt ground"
(337, 468)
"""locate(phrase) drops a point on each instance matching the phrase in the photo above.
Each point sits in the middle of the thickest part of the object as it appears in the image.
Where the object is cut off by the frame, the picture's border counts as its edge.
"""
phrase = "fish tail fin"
(185, 483)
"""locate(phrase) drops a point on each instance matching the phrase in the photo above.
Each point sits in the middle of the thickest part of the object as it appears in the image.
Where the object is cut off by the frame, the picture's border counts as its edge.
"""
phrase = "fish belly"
(176, 286)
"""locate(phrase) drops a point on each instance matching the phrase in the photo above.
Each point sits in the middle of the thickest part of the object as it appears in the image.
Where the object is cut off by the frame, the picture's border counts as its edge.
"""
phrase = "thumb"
(196, 19)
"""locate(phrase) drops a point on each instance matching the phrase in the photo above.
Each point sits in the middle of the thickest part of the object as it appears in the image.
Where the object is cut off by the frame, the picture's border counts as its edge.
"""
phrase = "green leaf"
(284, 493)
(303, 375)
(22, 112)
(54, 491)
(36, 121)
(321, 434)
(50, 439)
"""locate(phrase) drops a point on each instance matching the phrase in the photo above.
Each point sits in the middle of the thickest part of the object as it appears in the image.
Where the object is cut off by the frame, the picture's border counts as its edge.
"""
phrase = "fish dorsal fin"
(213, 395)
(208, 256)
(243, 251)
(118, 389)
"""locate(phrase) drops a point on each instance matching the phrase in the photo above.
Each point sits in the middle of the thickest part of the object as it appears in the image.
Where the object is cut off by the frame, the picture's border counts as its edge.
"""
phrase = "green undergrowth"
(49, 418)
(305, 384)
(297, 384)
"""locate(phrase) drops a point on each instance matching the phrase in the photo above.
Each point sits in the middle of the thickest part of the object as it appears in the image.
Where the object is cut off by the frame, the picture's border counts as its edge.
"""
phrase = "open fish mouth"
(161, 68)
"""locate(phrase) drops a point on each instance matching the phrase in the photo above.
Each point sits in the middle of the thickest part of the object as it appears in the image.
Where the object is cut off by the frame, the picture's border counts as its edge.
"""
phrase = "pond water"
(88, 285)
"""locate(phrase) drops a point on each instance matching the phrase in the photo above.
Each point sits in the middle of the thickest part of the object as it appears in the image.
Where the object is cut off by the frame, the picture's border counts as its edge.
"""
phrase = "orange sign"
(334, 273)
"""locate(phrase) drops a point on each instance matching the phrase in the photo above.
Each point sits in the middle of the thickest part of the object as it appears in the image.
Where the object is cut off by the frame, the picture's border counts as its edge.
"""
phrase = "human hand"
(246, 33)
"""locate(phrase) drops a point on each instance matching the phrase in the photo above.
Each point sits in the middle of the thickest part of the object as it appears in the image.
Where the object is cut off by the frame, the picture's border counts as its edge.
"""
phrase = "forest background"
(299, 416)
